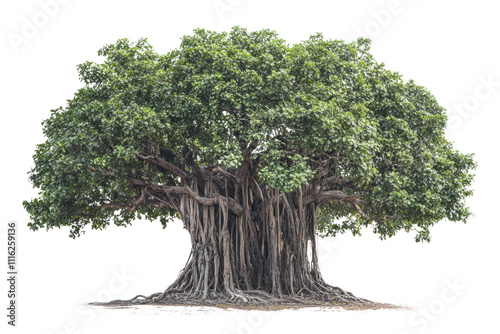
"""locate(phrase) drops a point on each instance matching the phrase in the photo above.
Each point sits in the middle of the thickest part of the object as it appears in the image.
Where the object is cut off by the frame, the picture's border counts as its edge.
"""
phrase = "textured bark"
(249, 242)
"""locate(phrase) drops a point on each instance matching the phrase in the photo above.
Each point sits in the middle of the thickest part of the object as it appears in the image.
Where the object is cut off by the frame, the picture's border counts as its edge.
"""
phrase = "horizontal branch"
(165, 164)
(331, 196)
(226, 174)
(337, 181)
(233, 206)
(116, 205)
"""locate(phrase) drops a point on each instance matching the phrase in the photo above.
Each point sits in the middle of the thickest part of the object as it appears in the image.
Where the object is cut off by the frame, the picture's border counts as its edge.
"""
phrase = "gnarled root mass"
(257, 254)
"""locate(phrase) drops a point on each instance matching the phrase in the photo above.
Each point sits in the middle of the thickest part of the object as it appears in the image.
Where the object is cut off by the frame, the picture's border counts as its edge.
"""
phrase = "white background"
(450, 47)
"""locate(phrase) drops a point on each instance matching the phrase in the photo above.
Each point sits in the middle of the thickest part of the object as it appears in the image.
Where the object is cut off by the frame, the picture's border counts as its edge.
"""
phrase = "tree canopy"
(320, 112)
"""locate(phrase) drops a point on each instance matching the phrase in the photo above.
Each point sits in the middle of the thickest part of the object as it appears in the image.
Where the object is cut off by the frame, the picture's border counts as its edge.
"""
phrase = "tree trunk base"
(331, 297)
(267, 256)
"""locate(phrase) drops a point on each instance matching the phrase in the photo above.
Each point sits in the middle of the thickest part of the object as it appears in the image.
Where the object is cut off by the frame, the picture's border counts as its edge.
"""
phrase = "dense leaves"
(302, 114)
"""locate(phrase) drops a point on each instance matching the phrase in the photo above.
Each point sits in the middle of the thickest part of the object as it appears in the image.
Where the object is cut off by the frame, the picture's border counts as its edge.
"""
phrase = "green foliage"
(221, 94)
(285, 172)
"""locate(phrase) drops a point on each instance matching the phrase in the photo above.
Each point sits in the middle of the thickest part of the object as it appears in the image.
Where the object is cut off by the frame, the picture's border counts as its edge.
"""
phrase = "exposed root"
(253, 299)
(257, 257)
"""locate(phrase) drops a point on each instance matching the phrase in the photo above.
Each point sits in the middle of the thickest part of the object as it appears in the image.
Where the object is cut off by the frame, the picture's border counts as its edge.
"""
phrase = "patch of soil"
(272, 306)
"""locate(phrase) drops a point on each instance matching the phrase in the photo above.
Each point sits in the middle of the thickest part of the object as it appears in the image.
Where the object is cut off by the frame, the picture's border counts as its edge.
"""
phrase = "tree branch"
(226, 174)
(234, 206)
(188, 158)
(331, 196)
(337, 181)
(165, 164)
(116, 205)
(362, 214)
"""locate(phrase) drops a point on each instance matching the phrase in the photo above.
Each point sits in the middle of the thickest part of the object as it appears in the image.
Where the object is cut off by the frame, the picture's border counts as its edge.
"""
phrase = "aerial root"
(326, 295)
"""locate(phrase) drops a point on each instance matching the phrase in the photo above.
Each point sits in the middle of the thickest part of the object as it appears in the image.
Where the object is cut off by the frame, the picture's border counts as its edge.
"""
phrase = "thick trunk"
(259, 256)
